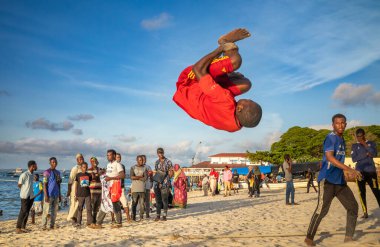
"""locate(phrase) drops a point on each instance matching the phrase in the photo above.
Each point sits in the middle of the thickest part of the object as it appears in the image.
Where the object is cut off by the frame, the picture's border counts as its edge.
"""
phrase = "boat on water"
(15, 173)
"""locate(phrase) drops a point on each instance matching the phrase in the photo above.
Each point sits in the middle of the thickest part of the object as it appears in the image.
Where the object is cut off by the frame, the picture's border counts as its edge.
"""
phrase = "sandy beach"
(215, 221)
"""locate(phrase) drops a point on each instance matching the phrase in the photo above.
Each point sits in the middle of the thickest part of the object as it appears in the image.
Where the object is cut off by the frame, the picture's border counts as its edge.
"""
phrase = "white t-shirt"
(288, 175)
(113, 169)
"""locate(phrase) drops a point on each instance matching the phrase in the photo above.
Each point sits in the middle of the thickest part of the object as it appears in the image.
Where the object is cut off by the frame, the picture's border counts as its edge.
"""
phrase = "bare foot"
(309, 242)
(348, 239)
(234, 35)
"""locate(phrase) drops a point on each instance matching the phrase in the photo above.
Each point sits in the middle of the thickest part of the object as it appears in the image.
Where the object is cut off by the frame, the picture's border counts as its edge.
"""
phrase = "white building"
(229, 158)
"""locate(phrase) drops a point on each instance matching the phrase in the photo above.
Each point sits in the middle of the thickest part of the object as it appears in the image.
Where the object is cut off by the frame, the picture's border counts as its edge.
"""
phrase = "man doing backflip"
(207, 90)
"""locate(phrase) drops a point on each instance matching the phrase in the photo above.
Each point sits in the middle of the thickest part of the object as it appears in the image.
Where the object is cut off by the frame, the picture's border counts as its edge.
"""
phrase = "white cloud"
(42, 123)
(124, 138)
(375, 98)
(123, 90)
(4, 93)
(270, 127)
(77, 132)
(157, 22)
(262, 145)
(306, 51)
(81, 117)
(36, 146)
(181, 152)
(348, 94)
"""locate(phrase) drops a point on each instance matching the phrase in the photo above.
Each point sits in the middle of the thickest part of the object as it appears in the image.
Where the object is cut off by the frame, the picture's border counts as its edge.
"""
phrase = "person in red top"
(207, 90)
(214, 176)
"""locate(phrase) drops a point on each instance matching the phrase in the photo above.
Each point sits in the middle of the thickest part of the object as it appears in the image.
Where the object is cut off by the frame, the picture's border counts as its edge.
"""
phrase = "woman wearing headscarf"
(213, 180)
(180, 184)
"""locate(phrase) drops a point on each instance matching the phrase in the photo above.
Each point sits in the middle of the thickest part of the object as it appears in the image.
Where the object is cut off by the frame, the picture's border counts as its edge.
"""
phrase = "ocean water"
(10, 194)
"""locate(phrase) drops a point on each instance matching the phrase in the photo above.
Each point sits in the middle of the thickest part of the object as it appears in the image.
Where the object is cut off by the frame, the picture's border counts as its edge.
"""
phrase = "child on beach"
(83, 195)
(38, 198)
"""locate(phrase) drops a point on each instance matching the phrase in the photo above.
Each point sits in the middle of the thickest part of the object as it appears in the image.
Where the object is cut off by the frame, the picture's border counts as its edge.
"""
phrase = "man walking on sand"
(207, 90)
(331, 182)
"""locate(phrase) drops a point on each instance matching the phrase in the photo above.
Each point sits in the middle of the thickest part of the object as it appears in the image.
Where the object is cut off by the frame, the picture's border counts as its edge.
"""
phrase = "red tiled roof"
(206, 164)
(243, 155)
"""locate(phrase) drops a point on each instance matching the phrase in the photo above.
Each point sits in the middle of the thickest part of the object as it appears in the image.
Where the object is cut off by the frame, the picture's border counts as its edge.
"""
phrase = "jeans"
(326, 193)
(138, 198)
(162, 199)
(289, 191)
(81, 202)
(96, 199)
(52, 207)
(26, 205)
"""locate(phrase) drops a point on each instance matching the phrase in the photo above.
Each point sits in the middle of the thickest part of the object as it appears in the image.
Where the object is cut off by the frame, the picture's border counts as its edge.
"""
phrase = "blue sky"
(85, 76)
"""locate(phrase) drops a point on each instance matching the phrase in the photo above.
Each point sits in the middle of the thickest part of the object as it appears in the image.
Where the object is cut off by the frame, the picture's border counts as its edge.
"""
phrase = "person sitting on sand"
(207, 90)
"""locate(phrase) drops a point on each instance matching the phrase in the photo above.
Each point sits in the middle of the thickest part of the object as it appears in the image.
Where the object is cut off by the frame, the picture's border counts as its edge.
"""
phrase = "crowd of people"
(101, 191)
(228, 181)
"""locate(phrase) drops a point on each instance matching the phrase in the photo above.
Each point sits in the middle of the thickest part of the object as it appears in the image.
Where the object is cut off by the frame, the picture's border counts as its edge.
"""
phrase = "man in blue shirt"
(331, 182)
(52, 193)
(362, 153)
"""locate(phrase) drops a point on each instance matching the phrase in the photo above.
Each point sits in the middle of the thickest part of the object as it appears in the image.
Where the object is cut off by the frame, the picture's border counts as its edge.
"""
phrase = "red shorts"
(219, 69)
